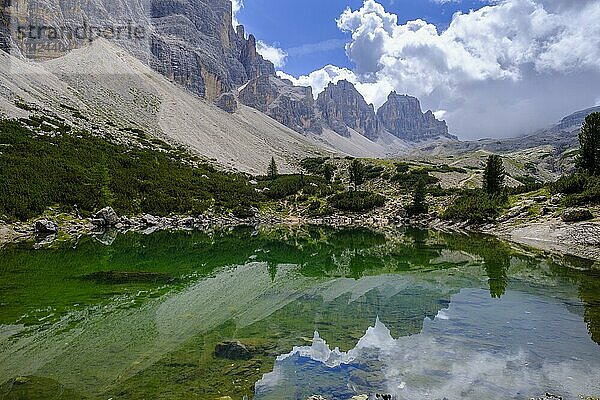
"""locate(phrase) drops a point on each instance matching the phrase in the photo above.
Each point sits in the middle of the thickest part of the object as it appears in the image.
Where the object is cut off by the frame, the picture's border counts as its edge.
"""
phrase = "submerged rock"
(232, 350)
(46, 227)
(117, 277)
(577, 214)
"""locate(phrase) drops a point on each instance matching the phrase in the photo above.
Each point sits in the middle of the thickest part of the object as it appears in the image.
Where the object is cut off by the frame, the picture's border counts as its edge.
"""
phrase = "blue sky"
(307, 31)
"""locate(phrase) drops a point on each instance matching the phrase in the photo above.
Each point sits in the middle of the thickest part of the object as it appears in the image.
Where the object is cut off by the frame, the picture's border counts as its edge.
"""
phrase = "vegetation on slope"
(583, 187)
(68, 169)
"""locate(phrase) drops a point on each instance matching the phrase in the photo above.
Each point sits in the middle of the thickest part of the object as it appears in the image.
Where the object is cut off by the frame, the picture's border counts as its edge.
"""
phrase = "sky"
(490, 68)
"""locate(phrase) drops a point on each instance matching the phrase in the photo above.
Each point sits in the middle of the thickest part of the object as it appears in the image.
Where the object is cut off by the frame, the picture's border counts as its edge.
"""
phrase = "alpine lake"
(291, 312)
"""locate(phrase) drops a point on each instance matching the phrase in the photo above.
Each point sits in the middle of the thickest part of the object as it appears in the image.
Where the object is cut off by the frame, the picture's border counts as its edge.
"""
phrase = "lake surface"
(316, 311)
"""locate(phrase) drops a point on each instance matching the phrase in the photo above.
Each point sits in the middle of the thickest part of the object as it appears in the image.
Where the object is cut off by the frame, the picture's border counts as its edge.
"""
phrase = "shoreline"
(577, 239)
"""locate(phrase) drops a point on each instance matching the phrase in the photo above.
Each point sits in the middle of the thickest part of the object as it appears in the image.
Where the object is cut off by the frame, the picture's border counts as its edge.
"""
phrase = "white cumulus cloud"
(274, 54)
(236, 6)
(507, 68)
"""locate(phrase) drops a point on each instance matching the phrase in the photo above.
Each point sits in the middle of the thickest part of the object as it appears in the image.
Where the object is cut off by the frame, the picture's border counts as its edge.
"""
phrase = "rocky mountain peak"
(342, 107)
(293, 106)
(402, 116)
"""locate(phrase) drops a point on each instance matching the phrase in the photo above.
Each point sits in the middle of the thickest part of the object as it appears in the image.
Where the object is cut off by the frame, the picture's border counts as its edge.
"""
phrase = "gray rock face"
(195, 45)
(45, 227)
(107, 217)
(192, 42)
(574, 121)
(341, 107)
(293, 106)
(232, 350)
(402, 116)
(576, 215)
(227, 102)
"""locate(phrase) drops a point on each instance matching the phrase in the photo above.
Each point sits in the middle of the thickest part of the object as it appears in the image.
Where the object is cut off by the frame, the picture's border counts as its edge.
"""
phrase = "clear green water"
(417, 314)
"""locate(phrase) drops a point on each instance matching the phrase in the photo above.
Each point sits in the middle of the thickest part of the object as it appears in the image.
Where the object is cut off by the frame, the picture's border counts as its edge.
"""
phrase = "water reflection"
(126, 338)
(520, 347)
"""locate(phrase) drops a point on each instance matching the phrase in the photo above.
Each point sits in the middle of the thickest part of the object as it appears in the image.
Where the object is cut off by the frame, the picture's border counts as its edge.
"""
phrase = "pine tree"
(589, 140)
(328, 172)
(107, 197)
(493, 177)
(419, 206)
(272, 169)
(357, 173)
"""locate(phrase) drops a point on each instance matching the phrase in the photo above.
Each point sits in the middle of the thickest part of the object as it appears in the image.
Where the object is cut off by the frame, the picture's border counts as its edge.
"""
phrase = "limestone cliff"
(402, 116)
(342, 107)
(293, 106)
(192, 42)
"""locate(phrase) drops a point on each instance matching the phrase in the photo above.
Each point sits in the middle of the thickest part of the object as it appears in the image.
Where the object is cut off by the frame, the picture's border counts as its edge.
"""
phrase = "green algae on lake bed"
(148, 323)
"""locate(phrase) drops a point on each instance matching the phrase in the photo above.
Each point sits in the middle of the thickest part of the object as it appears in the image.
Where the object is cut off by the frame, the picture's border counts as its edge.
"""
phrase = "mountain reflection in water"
(478, 348)
(141, 317)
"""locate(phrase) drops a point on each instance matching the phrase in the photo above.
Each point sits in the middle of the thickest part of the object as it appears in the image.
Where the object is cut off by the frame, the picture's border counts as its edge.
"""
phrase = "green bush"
(288, 185)
(475, 206)
(357, 201)
(569, 184)
(411, 178)
(318, 166)
(373, 172)
(589, 195)
(313, 165)
(67, 169)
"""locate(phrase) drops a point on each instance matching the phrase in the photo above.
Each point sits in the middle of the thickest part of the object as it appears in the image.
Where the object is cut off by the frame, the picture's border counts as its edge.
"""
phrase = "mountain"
(562, 136)
(572, 123)
(167, 82)
(293, 106)
(191, 42)
(102, 88)
(402, 116)
(342, 108)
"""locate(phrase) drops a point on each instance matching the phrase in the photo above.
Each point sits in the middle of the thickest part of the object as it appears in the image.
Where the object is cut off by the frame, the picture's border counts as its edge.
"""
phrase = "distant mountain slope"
(545, 155)
(562, 136)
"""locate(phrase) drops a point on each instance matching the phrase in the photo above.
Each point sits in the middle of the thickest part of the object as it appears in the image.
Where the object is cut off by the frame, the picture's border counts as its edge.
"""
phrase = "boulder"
(576, 214)
(150, 220)
(45, 227)
(188, 222)
(106, 217)
(232, 350)
(227, 102)
(556, 199)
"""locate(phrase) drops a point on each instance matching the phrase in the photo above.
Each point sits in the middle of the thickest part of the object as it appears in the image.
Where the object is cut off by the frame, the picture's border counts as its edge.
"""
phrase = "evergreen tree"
(357, 173)
(272, 169)
(419, 206)
(107, 197)
(493, 177)
(328, 172)
(589, 141)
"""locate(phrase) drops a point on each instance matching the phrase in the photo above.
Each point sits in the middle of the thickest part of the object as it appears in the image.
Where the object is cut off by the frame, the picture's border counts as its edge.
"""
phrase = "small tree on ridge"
(589, 140)
(272, 169)
(357, 173)
(493, 177)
